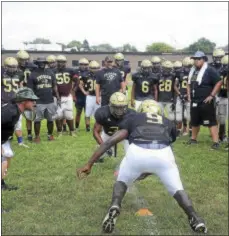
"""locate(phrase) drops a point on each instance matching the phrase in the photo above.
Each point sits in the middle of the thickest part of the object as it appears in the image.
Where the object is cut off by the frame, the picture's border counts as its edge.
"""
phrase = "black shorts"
(203, 114)
(80, 103)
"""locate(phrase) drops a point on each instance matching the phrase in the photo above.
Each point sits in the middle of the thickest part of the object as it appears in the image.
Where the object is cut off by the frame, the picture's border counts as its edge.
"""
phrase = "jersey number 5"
(153, 119)
(62, 78)
(165, 85)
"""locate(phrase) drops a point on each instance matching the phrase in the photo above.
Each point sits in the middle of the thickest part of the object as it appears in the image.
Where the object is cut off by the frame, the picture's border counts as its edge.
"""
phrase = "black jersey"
(89, 83)
(165, 88)
(110, 123)
(42, 83)
(125, 70)
(149, 128)
(9, 85)
(9, 117)
(143, 86)
(183, 82)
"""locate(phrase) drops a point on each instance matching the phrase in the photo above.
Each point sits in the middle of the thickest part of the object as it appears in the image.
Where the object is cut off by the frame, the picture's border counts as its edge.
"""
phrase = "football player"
(166, 90)
(119, 64)
(108, 81)
(182, 105)
(22, 103)
(26, 67)
(80, 103)
(144, 86)
(156, 65)
(64, 80)
(43, 82)
(51, 62)
(108, 118)
(225, 70)
(222, 95)
(150, 135)
(87, 86)
(11, 81)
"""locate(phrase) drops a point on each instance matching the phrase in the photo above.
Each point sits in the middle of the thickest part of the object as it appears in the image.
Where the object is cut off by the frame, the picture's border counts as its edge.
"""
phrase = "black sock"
(64, 127)
(77, 125)
(29, 132)
(3, 182)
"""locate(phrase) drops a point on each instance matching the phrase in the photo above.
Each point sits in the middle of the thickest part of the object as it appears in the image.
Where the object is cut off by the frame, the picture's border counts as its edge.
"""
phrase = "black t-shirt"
(165, 88)
(143, 85)
(110, 123)
(149, 128)
(9, 117)
(109, 80)
(9, 85)
(42, 83)
(89, 83)
(199, 92)
(64, 80)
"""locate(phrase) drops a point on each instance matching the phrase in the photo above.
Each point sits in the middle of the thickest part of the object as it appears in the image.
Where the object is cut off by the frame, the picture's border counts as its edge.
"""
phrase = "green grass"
(52, 201)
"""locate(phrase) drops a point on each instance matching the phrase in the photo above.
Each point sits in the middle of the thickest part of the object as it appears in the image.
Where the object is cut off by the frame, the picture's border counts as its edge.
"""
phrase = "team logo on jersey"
(110, 76)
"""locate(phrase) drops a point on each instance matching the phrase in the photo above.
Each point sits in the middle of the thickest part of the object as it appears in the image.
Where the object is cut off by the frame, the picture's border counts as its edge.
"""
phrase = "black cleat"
(109, 152)
(198, 225)
(191, 141)
(30, 138)
(88, 129)
(8, 187)
(215, 146)
(110, 219)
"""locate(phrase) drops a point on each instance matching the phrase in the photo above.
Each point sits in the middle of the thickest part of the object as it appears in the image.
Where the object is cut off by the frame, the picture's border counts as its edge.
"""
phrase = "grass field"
(52, 201)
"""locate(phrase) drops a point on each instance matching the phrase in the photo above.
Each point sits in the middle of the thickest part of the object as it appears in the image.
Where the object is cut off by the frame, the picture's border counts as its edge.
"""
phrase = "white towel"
(200, 74)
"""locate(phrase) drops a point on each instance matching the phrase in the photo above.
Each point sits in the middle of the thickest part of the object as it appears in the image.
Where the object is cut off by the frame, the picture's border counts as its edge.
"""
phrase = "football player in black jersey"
(11, 81)
(26, 67)
(22, 103)
(156, 65)
(108, 118)
(119, 64)
(166, 90)
(182, 104)
(222, 102)
(80, 103)
(65, 78)
(144, 85)
(150, 135)
(87, 86)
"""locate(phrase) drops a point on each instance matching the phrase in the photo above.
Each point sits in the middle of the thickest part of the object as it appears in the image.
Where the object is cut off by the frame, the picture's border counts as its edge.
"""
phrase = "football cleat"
(23, 145)
(215, 146)
(109, 152)
(110, 219)
(198, 225)
(30, 138)
(191, 141)
(50, 137)
(37, 140)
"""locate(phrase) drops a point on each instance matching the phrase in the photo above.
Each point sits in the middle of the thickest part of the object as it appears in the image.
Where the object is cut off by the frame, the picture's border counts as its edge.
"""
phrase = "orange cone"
(144, 212)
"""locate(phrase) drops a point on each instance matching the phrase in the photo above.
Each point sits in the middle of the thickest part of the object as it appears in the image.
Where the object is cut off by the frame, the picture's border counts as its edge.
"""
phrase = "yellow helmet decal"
(150, 106)
(118, 99)
(155, 59)
(51, 58)
(10, 61)
(119, 56)
(61, 58)
(146, 63)
(22, 55)
(83, 61)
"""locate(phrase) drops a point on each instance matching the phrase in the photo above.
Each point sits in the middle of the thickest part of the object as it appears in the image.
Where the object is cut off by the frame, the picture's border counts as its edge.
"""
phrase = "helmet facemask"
(118, 111)
(11, 70)
(119, 63)
(217, 60)
(61, 64)
(23, 62)
(146, 70)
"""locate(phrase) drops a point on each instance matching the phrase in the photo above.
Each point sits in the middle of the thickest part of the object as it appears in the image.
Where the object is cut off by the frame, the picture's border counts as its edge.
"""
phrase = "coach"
(108, 81)
(204, 82)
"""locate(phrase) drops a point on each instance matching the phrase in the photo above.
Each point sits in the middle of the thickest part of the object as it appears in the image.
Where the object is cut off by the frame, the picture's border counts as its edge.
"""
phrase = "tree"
(159, 47)
(39, 41)
(129, 48)
(202, 44)
(75, 43)
(86, 46)
(105, 47)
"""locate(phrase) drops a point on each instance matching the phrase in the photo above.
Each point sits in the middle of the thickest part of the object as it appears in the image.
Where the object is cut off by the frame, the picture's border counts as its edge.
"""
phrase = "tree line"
(202, 44)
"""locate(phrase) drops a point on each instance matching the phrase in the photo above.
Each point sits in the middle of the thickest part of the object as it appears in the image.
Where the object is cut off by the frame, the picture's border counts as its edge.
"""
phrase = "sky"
(176, 23)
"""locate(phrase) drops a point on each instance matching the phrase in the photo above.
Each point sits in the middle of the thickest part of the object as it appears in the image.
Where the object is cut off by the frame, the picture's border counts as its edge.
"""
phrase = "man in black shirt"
(108, 81)
(107, 119)
(203, 84)
(150, 135)
(23, 103)
(42, 81)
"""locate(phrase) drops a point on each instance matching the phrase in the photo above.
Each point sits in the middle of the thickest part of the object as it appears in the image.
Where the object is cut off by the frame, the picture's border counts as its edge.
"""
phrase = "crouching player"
(150, 135)
(24, 103)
